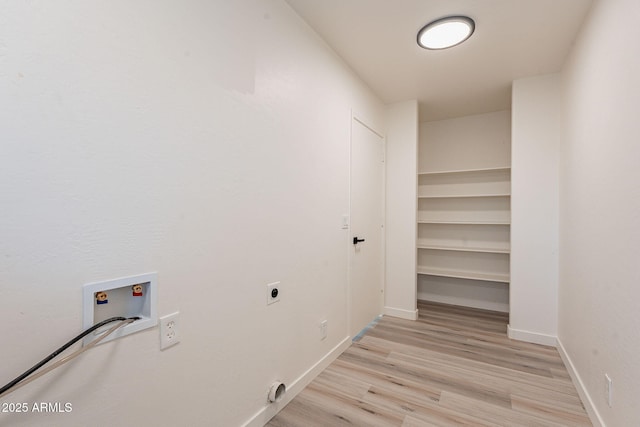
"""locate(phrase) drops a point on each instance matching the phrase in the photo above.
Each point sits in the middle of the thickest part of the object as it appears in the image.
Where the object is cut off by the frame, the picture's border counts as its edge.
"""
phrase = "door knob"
(356, 240)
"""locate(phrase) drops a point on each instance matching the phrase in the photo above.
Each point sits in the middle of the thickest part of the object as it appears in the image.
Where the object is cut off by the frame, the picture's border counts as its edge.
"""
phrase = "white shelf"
(488, 210)
(464, 219)
(476, 183)
(489, 238)
(444, 221)
(462, 196)
(471, 275)
(464, 249)
(462, 171)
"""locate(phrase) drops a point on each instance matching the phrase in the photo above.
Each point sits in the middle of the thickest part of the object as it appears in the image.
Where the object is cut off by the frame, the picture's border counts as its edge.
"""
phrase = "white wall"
(401, 176)
(470, 142)
(204, 140)
(599, 317)
(536, 131)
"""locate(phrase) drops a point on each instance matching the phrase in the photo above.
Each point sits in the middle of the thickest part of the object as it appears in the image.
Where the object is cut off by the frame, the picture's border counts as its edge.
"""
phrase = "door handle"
(356, 240)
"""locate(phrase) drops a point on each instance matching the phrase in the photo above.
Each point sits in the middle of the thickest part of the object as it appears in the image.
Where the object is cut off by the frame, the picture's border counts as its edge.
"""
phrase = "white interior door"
(367, 220)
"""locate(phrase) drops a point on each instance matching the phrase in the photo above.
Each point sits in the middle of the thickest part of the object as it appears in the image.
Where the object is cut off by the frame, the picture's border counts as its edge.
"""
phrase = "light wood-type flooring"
(454, 366)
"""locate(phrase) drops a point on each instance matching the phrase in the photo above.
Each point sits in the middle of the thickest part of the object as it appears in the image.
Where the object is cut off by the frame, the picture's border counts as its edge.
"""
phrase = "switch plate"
(273, 292)
(169, 330)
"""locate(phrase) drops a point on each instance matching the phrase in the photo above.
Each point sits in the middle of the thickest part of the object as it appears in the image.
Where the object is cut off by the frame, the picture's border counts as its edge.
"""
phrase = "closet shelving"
(463, 224)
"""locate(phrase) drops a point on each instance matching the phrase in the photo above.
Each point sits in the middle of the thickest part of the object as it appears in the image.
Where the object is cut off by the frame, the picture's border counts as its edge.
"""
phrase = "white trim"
(347, 241)
(265, 414)
(383, 245)
(593, 413)
(383, 226)
(401, 313)
(532, 337)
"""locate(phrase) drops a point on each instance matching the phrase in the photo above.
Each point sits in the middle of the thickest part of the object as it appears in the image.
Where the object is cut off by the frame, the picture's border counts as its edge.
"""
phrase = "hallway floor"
(454, 366)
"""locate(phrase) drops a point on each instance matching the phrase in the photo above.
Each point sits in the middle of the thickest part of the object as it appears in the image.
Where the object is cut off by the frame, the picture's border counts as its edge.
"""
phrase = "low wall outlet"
(608, 391)
(169, 330)
(133, 296)
(323, 329)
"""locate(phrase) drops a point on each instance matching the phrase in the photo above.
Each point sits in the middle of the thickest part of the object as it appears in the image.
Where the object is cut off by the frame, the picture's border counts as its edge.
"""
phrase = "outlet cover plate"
(323, 329)
(608, 389)
(273, 292)
(169, 330)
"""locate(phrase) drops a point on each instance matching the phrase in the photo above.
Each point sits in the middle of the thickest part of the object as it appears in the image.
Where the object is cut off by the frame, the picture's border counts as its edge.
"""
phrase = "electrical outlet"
(323, 329)
(608, 384)
(169, 330)
(273, 292)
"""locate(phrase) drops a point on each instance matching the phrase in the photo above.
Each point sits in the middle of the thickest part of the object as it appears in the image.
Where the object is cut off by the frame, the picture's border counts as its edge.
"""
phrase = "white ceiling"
(513, 39)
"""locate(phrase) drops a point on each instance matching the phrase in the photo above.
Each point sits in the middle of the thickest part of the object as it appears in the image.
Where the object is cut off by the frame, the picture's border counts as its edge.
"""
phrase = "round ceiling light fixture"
(446, 32)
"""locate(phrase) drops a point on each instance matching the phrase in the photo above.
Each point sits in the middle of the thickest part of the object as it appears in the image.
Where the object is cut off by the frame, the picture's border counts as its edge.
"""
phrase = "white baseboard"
(593, 413)
(532, 337)
(401, 313)
(265, 414)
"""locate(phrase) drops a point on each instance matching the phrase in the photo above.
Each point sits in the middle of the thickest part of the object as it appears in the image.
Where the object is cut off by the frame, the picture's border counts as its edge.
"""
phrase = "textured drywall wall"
(204, 140)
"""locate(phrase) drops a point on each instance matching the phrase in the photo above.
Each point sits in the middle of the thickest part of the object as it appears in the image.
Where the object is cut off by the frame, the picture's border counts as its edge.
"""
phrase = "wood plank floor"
(454, 366)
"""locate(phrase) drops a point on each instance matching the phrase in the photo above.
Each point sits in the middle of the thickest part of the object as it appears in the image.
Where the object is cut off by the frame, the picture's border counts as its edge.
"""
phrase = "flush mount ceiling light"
(446, 32)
